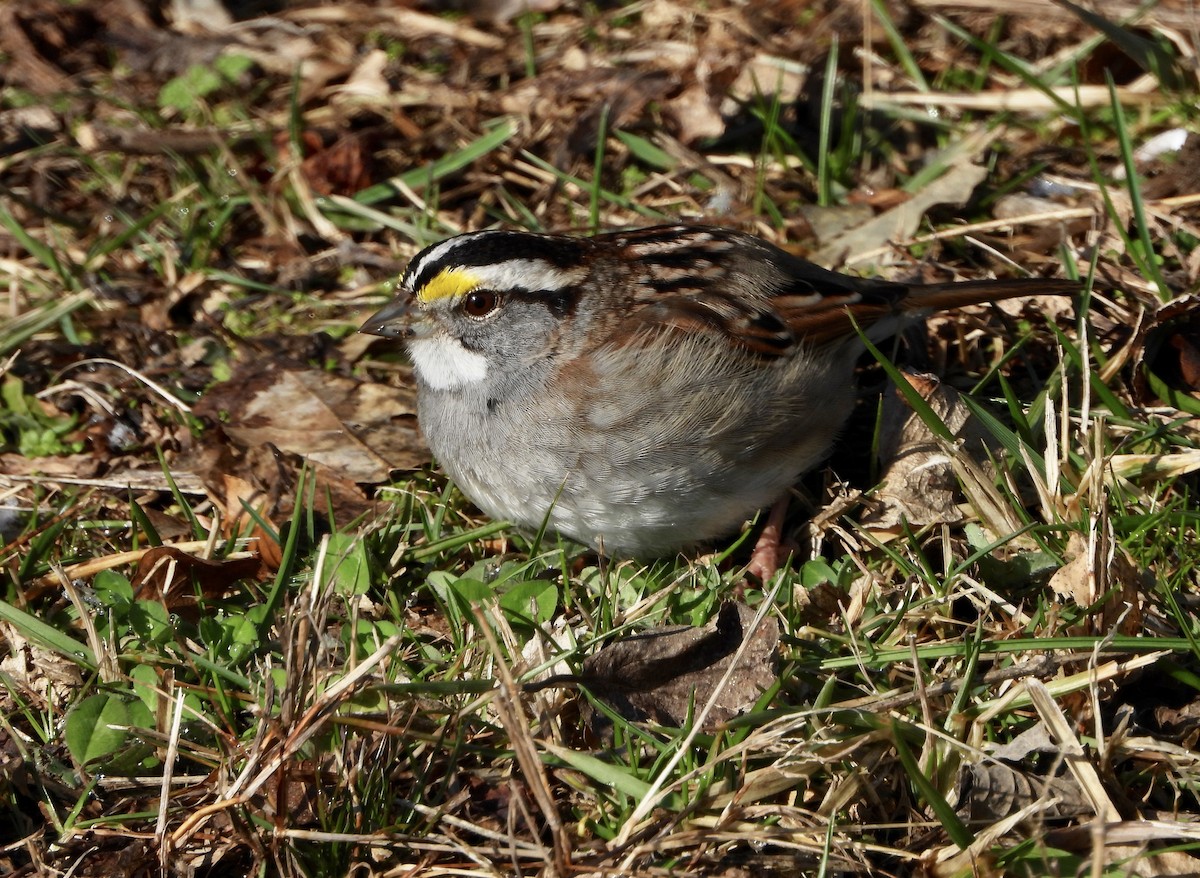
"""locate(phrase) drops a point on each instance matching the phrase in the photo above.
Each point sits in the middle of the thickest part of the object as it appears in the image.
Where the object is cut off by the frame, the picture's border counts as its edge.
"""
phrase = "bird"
(646, 391)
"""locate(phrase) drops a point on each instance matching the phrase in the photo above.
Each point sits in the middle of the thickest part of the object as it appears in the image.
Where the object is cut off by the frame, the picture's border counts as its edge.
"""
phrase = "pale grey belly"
(628, 478)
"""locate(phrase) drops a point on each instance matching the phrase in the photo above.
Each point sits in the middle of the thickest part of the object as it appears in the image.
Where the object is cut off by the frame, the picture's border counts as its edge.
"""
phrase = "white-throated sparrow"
(645, 390)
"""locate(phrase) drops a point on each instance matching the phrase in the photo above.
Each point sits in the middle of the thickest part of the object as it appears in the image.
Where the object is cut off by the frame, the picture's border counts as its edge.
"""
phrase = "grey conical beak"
(397, 319)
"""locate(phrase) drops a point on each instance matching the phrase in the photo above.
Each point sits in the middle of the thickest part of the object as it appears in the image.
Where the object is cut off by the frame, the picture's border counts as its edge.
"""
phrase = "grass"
(220, 656)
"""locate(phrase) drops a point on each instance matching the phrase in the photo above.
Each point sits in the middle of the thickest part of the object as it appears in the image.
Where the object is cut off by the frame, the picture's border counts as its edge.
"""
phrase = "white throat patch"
(444, 364)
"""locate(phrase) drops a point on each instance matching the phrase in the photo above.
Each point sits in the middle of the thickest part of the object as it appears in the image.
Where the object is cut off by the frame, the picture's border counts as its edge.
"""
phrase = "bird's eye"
(480, 303)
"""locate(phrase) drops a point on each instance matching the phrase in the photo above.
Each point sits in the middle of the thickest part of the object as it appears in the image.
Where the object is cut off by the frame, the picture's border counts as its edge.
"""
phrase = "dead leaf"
(332, 164)
(172, 576)
(901, 222)
(827, 223)
(1095, 568)
(70, 466)
(1167, 354)
(821, 604)
(918, 483)
(659, 676)
(1178, 721)
(1041, 233)
(499, 11)
(257, 485)
(1032, 742)
(25, 64)
(247, 504)
(695, 115)
(43, 676)
(200, 16)
(1129, 842)
(358, 429)
(26, 127)
(989, 791)
(879, 199)
(367, 82)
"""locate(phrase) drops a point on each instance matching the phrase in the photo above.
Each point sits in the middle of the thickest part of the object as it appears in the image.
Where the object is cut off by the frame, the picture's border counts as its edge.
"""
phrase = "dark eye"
(480, 303)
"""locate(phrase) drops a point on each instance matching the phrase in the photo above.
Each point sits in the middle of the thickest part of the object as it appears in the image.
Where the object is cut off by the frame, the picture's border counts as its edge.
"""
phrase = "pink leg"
(768, 551)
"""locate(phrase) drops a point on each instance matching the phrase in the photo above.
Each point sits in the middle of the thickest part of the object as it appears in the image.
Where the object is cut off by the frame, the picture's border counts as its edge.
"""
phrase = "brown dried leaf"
(75, 466)
(659, 675)
(1091, 571)
(500, 11)
(260, 484)
(41, 676)
(1036, 240)
(367, 83)
(1033, 741)
(1162, 864)
(694, 114)
(248, 503)
(172, 576)
(901, 222)
(1073, 580)
(200, 16)
(1168, 351)
(358, 429)
(331, 165)
(24, 63)
(829, 222)
(820, 605)
(1183, 721)
(918, 484)
(989, 791)
(296, 791)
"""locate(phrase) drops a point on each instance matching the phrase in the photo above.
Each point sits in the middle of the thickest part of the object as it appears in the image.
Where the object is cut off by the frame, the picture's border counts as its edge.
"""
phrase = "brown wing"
(753, 325)
(774, 327)
(765, 301)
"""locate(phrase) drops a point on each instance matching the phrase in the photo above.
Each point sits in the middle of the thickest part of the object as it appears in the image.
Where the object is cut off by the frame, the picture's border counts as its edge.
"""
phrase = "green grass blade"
(899, 46)
(20, 329)
(955, 828)
(824, 185)
(418, 179)
(48, 636)
(42, 253)
(1145, 254)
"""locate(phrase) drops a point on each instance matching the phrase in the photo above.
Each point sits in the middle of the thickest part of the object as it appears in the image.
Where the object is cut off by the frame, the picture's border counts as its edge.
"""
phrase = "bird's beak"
(400, 318)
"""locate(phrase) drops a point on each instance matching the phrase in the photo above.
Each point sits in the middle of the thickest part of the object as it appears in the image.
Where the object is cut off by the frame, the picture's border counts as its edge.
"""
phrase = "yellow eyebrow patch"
(447, 284)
